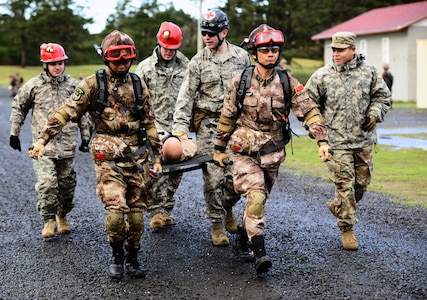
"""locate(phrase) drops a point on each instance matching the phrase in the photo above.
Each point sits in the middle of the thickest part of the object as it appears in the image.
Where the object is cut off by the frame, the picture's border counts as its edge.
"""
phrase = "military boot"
(156, 221)
(63, 226)
(219, 236)
(230, 221)
(241, 246)
(133, 268)
(349, 241)
(115, 271)
(49, 229)
(262, 262)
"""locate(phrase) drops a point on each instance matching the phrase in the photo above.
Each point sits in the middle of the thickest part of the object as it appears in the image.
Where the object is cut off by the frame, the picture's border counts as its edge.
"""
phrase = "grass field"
(401, 173)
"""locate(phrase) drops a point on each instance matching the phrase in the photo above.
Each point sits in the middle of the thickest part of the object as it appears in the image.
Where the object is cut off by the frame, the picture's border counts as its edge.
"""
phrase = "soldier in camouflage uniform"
(56, 178)
(353, 98)
(119, 147)
(256, 137)
(163, 73)
(200, 98)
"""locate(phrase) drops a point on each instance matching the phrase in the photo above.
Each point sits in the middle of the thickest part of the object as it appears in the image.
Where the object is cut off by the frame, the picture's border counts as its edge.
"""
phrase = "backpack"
(245, 83)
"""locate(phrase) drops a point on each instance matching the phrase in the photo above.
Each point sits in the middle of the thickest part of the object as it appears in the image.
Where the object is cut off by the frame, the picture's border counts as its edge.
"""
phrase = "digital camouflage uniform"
(121, 187)
(259, 125)
(163, 82)
(347, 94)
(56, 178)
(203, 87)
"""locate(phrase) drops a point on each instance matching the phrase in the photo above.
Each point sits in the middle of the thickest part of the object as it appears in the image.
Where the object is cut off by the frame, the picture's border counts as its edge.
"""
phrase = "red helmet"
(265, 35)
(169, 36)
(52, 52)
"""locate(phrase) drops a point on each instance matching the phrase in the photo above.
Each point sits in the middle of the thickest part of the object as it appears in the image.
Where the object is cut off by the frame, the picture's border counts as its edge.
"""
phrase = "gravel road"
(301, 238)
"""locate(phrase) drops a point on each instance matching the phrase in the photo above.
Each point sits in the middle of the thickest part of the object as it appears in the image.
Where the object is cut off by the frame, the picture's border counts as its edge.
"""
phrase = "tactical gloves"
(219, 158)
(369, 123)
(15, 143)
(84, 147)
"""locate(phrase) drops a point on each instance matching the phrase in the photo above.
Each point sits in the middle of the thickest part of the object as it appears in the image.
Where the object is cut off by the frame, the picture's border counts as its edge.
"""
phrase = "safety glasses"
(120, 52)
(268, 37)
(210, 34)
(266, 50)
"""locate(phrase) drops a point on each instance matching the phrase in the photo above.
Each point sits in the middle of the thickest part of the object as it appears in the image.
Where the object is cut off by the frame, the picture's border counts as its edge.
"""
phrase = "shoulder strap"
(284, 79)
(245, 83)
(103, 94)
(137, 88)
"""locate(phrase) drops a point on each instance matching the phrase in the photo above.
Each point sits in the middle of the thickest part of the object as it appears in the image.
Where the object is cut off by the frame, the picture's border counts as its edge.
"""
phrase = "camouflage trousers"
(218, 186)
(350, 171)
(124, 193)
(164, 189)
(250, 175)
(55, 186)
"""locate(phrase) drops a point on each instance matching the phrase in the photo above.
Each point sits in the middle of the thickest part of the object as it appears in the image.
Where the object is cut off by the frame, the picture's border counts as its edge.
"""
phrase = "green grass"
(400, 173)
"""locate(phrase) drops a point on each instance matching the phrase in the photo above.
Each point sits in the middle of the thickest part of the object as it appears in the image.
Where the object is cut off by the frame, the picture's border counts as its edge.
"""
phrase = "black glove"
(15, 143)
(84, 147)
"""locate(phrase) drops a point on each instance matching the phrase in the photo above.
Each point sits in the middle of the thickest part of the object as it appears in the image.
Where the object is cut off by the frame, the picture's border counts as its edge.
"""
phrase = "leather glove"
(180, 135)
(84, 147)
(14, 142)
(219, 158)
(36, 151)
(325, 152)
(369, 123)
(156, 171)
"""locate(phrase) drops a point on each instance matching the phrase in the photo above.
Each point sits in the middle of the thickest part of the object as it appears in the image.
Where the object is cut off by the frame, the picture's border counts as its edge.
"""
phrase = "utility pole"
(199, 36)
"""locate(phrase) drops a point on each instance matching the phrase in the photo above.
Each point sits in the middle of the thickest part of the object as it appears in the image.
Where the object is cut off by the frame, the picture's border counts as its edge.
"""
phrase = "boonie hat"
(343, 40)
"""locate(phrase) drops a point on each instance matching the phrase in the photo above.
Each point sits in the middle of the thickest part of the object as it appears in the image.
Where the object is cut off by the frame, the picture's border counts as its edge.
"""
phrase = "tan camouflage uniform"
(164, 83)
(56, 178)
(204, 86)
(258, 126)
(347, 94)
(122, 188)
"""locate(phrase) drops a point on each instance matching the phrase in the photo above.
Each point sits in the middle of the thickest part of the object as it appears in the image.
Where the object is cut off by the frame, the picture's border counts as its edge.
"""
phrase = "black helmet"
(215, 20)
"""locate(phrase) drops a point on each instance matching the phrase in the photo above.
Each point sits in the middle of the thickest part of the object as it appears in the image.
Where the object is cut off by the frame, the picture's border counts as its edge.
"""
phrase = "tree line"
(26, 24)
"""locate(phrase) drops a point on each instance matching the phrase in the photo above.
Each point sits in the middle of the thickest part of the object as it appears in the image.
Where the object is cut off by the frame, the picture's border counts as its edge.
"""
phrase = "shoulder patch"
(78, 93)
(299, 88)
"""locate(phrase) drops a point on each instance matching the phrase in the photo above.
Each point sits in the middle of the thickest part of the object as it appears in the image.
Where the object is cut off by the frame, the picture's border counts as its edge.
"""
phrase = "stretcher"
(194, 163)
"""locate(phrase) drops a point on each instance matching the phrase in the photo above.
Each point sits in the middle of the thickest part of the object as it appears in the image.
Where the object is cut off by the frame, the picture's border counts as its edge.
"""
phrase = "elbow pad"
(226, 124)
(311, 117)
(62, 116)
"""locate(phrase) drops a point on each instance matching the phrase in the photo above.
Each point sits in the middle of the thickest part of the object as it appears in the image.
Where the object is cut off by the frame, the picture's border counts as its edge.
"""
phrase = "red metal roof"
(380, 20)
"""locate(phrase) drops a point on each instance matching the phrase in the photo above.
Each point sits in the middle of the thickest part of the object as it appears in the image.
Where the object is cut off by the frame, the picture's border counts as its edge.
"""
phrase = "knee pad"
(255, 205)
(136, 222)
(115, 221)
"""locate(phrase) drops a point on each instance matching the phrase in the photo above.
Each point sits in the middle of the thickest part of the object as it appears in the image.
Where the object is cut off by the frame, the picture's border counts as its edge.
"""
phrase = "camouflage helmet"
(117, 40)
(265, 35)
(215, 20)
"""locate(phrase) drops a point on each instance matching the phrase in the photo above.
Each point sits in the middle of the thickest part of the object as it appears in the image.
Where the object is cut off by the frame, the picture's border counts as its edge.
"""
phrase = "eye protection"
(266, 50)
(268, 37)
(120, 52)
(210, 34)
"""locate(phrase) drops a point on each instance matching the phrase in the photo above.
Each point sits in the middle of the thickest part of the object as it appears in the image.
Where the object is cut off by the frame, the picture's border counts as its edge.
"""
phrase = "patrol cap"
(343, 39)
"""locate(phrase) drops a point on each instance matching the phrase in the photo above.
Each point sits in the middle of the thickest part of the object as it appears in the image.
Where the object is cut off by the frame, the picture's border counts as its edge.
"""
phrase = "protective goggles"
(268, 37)
(120, 52)
(266, 50)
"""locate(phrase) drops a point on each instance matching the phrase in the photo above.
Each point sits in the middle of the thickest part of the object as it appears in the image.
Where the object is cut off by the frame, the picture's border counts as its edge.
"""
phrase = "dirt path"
(181, 263)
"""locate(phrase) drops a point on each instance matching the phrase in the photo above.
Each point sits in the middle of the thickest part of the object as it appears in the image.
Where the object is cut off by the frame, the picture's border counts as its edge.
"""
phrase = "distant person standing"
(388, 77)
(163, 72)
(56, 178)
(352, 99)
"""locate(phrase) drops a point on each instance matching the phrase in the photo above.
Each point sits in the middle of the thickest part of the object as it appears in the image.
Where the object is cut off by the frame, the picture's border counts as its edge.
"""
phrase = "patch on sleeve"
(299, 88)
(78, 93)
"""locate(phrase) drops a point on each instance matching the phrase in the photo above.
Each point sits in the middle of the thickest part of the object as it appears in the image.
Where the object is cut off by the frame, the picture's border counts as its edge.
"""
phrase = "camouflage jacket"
(43, 95)
(260, 119)
(163, 83)
(347, 94)
(205, 83)
(118, 119)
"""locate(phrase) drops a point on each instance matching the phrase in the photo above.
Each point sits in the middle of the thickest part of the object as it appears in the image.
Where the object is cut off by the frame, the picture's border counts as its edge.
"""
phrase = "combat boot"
(349, 241)
(49, 229)
(63, 226)
(219, 236)
(262, 262)
(115, 271)
(332, 208)
(230, 221)
(133, 268)
(156, 221)
(167, 220)
(241, 246)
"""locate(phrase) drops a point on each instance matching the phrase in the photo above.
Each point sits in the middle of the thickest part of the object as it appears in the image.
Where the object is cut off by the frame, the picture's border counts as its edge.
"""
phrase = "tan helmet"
(171, 149)
(118, 45)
